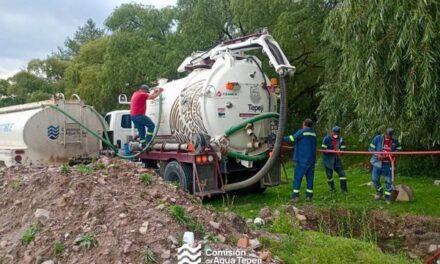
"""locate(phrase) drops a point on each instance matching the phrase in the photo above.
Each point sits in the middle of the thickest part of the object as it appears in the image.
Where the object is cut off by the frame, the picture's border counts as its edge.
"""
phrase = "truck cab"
(120, 127)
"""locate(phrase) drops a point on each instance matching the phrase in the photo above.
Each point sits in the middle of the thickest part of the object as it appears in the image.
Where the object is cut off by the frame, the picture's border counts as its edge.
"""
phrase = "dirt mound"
(110, 211)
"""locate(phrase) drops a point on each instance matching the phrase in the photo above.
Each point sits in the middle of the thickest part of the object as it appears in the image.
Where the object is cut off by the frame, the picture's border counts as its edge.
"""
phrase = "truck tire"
(179, 172)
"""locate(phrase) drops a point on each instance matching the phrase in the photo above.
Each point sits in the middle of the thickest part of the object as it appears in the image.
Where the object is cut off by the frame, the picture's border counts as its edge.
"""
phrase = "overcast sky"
(34, 28)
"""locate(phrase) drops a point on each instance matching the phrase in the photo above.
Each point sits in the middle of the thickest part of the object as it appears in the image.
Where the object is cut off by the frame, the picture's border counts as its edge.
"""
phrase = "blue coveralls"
(304, 155)
(379, 166)
(332, 162)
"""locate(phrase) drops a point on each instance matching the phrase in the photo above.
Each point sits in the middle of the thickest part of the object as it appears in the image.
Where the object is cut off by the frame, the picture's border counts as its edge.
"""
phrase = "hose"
(106, 140)
(254, 119)
(277, 146)
(238, 155)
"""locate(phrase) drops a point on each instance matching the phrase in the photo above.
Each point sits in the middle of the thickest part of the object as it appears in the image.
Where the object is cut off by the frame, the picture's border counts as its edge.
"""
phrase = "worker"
(304, 155)
(138, 108)
(382, 162)
(332, 162)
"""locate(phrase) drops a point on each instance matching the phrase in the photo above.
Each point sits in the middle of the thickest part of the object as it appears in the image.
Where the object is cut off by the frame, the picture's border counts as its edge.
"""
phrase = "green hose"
(236, 128)
(241, 156)
(106, 140)
(254, 119)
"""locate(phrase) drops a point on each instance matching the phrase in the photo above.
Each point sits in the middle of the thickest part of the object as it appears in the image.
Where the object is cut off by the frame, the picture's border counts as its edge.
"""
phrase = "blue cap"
(336, 129)
(145, 87)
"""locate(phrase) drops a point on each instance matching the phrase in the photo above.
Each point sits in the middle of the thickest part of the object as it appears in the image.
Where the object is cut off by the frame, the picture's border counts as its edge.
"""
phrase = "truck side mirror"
(123, 99)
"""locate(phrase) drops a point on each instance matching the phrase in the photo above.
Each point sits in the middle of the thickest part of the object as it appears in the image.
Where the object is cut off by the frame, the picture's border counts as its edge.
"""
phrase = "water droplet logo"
(187, 254)
(53, 132)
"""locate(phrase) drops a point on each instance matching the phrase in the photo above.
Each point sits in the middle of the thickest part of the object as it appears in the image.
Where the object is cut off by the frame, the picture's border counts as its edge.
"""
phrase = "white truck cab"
(120, 127)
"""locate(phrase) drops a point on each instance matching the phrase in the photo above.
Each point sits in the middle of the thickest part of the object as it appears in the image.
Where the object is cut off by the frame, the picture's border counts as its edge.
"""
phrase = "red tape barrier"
(399, 153)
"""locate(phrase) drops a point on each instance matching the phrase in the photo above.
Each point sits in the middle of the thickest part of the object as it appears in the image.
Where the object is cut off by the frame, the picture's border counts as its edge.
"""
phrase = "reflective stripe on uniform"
(309, 134)
(399, 148)
(143, 141)
(379, 189)
(343, 147)
(329, 180)
(343, 178)
(387, 193)
(296, 191)
(292, 139)
(372, 145)
(309, 191)
(324, 146)
(150, 133)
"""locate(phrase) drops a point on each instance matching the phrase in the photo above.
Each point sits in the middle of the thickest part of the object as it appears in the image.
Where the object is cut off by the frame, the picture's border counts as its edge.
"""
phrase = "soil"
(418, 236)
(109, 203)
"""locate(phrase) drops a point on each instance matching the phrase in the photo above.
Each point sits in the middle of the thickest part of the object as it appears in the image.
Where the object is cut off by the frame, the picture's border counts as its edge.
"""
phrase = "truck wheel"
(181, 173)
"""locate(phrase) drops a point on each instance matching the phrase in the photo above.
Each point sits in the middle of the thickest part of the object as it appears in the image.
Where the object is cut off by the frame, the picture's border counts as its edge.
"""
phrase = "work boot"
(378, 196)
(309, 199)
(295, 200)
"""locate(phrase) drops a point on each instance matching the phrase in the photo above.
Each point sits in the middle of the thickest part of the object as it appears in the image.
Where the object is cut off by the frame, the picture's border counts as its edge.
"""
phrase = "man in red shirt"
(138, 108)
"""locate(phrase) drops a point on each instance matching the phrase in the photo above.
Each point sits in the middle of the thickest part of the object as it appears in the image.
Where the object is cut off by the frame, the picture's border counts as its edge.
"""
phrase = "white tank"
(202, 103)
(35, 134)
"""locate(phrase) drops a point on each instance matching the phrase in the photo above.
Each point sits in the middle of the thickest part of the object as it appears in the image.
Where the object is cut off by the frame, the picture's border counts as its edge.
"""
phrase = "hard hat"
(390, 131)
(336, 129)
(145, 87)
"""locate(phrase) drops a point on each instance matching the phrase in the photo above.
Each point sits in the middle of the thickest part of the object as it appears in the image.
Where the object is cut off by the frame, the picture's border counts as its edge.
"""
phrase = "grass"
(58, 248)
(65, 168)
(147, 256)
(179, 214)
(297, 246)
(146, 179)
(359, 197)
(84, 169)
(30, 234)
(87, 241)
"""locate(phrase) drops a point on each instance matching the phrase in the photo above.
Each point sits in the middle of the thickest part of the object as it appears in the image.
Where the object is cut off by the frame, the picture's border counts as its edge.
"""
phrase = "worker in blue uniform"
(332, 162)
(304, 155)
(382, 162)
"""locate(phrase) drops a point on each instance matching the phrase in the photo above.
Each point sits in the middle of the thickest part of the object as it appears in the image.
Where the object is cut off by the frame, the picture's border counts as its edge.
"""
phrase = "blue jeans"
(386, 170)
(302, 169)
(140, 122)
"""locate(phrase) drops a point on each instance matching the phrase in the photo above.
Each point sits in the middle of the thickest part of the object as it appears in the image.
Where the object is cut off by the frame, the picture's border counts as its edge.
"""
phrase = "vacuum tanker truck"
(219, 128)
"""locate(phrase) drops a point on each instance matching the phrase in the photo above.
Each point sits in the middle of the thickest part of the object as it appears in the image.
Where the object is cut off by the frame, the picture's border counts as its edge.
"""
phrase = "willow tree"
(383, 68)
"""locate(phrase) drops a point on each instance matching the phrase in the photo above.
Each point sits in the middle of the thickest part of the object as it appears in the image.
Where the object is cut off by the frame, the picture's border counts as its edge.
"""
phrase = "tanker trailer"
(38, 134)
(218, 124)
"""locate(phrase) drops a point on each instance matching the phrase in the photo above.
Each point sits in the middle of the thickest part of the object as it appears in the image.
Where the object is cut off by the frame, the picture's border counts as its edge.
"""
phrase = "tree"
(384, 70)
(26, 86)
(4, 85)
(84, 34)
(84, 74)
(141, 49)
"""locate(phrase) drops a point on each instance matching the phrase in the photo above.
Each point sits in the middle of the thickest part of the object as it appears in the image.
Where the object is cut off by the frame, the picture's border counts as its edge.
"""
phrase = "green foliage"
(65, 168)
(98, 166)
(58, 248)
(148, 256)
(87, 241)
(383, 69)
(4, 85)
(84, 169)
(183, 219)
(29, 234)
(146, 179)
(359, 198)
